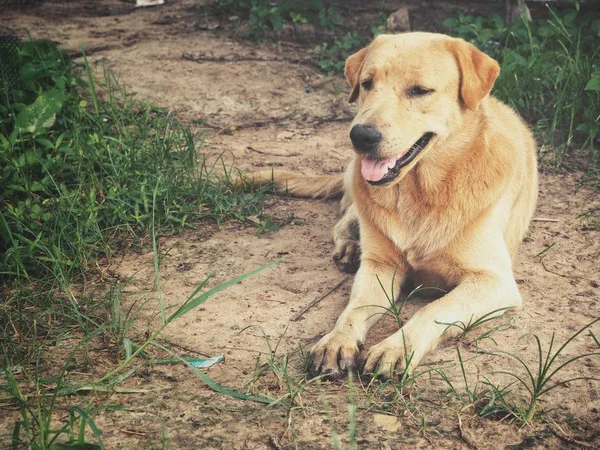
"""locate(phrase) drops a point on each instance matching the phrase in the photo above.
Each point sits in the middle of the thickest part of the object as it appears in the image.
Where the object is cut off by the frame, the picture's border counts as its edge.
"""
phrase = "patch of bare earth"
(284, 113)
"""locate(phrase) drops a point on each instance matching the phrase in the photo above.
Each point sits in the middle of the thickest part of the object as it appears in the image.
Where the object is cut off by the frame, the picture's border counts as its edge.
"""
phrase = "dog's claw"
(333, 356)
(391, 358)
(347, 256)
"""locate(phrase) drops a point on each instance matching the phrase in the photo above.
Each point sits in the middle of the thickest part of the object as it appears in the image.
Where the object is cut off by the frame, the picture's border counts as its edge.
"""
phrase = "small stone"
(399, 21)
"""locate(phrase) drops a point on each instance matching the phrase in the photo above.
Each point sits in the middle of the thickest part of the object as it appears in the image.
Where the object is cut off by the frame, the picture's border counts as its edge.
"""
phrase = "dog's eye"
(419, 91)
(367, 84)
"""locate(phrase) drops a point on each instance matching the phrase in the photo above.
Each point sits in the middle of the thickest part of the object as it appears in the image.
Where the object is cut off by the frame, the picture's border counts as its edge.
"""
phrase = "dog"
(441, 189)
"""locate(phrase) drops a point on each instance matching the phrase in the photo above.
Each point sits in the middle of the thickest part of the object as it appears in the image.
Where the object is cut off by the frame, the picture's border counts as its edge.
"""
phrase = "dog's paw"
(346, 255)
(334, 355)
(391, 358)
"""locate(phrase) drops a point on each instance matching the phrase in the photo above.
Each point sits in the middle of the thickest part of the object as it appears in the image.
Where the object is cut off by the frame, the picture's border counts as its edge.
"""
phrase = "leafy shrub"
(263, 16)
(333, 56)
(550, 73)
(75, 169)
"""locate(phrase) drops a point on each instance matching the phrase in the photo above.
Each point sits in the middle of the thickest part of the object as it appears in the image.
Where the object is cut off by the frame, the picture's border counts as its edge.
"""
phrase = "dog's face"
(413, 91)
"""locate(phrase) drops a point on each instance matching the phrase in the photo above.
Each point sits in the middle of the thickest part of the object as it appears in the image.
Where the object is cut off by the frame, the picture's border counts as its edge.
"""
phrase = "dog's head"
(413, 90)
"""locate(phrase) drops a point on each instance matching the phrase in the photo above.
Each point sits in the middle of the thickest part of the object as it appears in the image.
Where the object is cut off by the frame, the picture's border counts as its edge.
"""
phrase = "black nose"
(365, 138)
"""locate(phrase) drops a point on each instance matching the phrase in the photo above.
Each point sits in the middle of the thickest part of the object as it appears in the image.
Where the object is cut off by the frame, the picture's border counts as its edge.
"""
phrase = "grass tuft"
(84, 170)
(550, 75)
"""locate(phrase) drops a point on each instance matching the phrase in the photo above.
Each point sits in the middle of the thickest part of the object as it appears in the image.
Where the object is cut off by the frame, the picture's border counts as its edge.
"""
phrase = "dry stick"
(435, 363)
(569, 277)
(236, 58)
(255, 124)
(464, 437)
(134, 432)
(91, 50)
(273, 121)
(190, 350)
(558, 431)
(274, 444)
(272, 154)
(317, 300)
(544, 219)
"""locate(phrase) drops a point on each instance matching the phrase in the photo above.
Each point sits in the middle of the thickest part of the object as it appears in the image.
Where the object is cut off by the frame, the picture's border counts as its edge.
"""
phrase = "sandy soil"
(285, 112)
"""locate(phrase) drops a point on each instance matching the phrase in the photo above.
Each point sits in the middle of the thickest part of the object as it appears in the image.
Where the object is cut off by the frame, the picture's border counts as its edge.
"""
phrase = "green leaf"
(195, 302)
(5, 233)
(46, 143)
(75, 446)
(450, 22)
(5, 143)
(226, 391)
(594, 83)
(41, 115)
(128, 347)
(595, 27)
(497, 21)
(36, 186)
(275, 19)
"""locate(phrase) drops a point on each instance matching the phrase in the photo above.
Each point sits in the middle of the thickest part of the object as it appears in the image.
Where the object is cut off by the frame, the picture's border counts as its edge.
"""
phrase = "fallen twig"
(571, 277)
(91, 50)
(262, 152)
(317, 300)
(558, 431)
(134, 432)
(271, 121)
(464, 437)
(544, 219)
(234, 57)
(274, 444)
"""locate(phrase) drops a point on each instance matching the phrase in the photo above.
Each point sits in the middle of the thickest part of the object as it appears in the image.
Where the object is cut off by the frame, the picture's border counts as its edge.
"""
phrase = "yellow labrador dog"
(443, 186)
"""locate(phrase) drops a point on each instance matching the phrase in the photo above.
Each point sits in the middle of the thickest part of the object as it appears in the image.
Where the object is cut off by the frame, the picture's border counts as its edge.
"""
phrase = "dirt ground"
(285, 112)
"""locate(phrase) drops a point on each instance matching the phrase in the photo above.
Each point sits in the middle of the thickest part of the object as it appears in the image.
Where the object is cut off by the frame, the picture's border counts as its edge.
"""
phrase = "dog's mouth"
(378, 172)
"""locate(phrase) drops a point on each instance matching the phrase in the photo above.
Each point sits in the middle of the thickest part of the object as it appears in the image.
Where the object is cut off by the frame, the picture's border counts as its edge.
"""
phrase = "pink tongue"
(376, 170)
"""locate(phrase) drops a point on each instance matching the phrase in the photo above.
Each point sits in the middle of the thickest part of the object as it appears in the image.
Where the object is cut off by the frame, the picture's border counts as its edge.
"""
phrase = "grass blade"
(195, 302)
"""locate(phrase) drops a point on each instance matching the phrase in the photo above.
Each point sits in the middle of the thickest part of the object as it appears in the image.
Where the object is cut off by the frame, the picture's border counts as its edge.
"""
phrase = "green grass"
(550, 75)
(38, 407)
(77, 170)
(541, 378)
(520, 399)
(332, 56)
(85, 170)
(263, 16)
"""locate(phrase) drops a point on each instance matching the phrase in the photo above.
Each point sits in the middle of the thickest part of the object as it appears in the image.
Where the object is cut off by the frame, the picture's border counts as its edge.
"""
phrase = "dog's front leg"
(346, 254)
(377, 283)
(478, 294)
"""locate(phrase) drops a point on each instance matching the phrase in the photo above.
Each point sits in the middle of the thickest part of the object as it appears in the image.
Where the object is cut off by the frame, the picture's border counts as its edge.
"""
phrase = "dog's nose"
(365, 138)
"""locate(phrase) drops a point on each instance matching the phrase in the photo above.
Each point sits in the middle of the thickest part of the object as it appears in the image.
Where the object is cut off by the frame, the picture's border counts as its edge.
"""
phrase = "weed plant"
(535, 380)
(550, 74)
(264, 16)
(35, 429)
(83, 167)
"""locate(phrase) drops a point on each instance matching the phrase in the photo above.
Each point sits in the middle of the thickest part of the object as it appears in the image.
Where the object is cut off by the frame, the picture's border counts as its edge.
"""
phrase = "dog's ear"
(352, 71)
(477, 72)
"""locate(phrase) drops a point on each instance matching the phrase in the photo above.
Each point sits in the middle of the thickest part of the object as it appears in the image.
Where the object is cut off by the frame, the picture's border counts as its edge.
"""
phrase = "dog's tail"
(297, 185)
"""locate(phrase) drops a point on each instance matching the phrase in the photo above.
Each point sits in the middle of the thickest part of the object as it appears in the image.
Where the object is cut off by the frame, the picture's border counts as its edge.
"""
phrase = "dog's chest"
(414, 231)
(417, 225)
